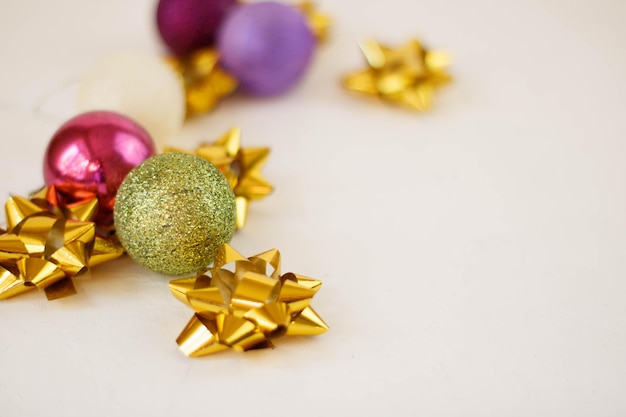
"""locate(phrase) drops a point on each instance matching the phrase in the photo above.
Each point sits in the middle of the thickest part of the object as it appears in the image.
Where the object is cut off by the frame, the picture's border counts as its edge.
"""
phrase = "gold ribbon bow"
(46, 245)
(246, 307)
(407, 76)
(203, 79)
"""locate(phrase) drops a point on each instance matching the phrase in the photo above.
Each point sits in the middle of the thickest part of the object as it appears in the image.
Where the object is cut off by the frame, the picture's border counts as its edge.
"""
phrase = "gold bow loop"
(46, 245)
(318, 22)
(245, 303)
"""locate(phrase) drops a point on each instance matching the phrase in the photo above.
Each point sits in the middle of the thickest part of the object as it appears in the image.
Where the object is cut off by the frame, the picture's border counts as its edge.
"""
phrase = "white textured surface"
(472, 257)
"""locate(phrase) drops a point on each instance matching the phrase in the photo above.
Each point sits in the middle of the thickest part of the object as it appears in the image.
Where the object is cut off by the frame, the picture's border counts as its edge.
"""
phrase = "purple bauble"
(186, 25)
(266, 46)
(91, 154)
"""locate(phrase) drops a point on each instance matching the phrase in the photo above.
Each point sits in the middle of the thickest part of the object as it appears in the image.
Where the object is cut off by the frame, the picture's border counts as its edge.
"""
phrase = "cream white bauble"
(140, 86)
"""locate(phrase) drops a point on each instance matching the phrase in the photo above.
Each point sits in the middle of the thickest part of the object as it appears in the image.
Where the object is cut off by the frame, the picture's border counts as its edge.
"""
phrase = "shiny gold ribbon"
(204, 81)
(46, 245)
(245, 303)
(407, 76)
(318, 22)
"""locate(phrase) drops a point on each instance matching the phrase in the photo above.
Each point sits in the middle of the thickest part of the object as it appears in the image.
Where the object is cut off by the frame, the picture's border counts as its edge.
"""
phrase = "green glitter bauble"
(173, 211)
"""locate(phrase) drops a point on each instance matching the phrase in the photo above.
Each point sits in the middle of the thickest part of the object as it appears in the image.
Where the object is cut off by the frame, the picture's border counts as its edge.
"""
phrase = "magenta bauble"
(92, 153)
(186, 25)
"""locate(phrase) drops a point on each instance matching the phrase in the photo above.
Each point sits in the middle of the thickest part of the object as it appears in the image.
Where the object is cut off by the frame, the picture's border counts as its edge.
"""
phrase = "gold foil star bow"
(45, 245)
(240, 166)
(204, 80)
(247, 306)
(407, 76)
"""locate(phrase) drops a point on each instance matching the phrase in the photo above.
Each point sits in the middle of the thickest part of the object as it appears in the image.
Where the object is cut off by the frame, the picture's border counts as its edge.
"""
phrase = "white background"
(472, 257)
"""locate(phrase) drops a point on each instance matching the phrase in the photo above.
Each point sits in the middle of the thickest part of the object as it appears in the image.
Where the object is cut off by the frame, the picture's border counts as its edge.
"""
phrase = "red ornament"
(91, 155)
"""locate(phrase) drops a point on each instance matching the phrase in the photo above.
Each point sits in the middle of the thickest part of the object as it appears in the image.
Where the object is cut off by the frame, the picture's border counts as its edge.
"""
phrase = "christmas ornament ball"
(267, 46)
(91, 154)
(173, 212)
(186, 25)
(140, 86)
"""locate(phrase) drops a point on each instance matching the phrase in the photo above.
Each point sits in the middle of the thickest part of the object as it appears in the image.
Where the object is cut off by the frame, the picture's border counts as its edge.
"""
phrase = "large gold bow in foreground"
(246, 307)
(407, 76)
(45, 245)
(240, 166)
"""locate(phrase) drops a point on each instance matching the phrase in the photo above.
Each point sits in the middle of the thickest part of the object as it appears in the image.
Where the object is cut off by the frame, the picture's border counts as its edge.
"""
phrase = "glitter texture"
(173, 212)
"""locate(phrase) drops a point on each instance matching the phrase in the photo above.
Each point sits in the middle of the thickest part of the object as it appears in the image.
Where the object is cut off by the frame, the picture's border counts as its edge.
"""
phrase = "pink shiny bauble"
(92, 153)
